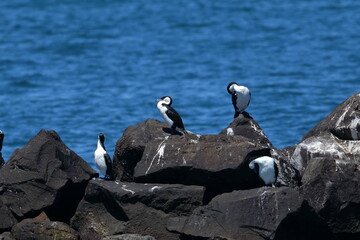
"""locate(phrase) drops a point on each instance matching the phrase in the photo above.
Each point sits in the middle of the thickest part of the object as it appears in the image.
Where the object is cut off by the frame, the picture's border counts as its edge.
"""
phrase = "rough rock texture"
(332, 188)
(288, 174)
(336, 137)
(201, 160)
(110, 208)
(264, 213)
(129, 237)
(343, 122)
(6, 236)
(7, 218)
(44, 175)
(321, 200)
(30, 229)
(130, 147)
(244, 125)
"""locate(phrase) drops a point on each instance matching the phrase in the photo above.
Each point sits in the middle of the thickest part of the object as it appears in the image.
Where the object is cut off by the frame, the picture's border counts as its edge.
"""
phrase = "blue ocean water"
(85, 67)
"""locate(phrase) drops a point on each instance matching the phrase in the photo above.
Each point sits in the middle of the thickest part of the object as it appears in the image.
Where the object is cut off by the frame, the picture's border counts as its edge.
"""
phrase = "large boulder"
(336, 137)
(332, 188)
(256, 214)
(130, 147)
(45, 175)
(129, 237)
(6, 236)
(110, 208)
(30, 229)
(7, 218)
(244, 125)
(343, 122)
(219, 162)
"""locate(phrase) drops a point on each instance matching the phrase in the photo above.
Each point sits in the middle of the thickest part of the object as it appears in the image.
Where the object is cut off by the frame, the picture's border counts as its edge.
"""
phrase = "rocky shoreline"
(189, 187)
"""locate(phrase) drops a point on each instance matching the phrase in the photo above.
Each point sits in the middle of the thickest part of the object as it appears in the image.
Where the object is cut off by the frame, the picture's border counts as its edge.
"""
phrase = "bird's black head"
(102, 138)
(228, 87)
(166, 100)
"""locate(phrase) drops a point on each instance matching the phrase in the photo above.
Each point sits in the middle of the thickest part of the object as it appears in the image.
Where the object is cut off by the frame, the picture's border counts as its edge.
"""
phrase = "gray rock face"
(336, 137)
(110, 208)
(130, 147)
(265, 213)
(6, 236)
(30, 229)
(244, 125)
(7, 218)
(129, 237)
(332, 188)
(44, 175)
(146, 153)
(207, 160)
(343, 122)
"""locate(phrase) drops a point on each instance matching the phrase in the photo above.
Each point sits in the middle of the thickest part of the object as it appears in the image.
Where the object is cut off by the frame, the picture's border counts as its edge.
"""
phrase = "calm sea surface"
(85, 67)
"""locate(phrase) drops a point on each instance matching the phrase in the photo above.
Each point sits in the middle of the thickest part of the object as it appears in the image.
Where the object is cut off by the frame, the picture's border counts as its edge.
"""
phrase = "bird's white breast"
(163, 110)
(243, 97)
(100, 160)
(266, 169)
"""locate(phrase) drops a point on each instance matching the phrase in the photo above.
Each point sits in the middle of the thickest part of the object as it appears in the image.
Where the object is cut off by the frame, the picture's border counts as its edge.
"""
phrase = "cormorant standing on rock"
(170, 115)
(241, 96)
(102, 159)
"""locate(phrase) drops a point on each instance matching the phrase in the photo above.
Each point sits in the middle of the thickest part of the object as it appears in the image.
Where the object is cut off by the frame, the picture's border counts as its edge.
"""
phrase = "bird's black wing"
(249, 99)
(109, 167)
(175, 117)
(234, 102)
(1, 139)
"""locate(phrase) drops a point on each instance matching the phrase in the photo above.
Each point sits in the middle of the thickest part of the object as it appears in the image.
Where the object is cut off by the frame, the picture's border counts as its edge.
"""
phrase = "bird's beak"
(158, 100)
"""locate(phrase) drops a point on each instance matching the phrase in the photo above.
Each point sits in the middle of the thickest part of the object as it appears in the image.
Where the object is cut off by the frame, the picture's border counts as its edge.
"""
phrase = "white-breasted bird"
(266, 168)
(102, 159)
(241, 96)
(170, 115)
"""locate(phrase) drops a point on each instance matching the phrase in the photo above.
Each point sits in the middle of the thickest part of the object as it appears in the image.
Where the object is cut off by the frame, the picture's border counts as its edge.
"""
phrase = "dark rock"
(45, 175)
(244, 125)
(332, 188)
(336, 137)
(30, 229)
(288, 174)
(265, 213)
(110, 208)
(6, 236)
(221, 163)
(343, 122)
(130, 147)
(7, 218)
(129, 237)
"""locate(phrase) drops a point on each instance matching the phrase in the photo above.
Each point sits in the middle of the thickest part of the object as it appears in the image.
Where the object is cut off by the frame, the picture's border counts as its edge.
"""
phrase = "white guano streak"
(159, 152)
